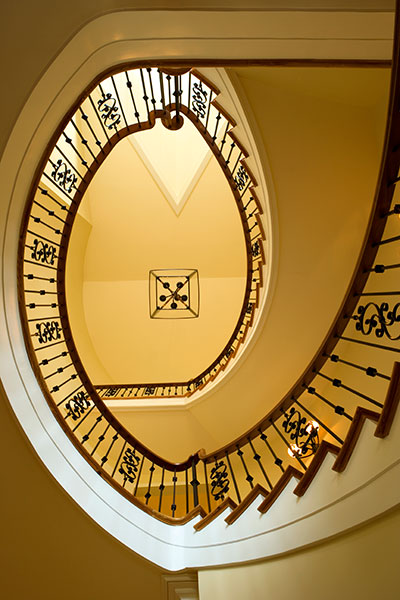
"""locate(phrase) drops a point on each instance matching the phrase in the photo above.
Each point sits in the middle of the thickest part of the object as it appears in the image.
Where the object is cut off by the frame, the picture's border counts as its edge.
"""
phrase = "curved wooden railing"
(308, 422)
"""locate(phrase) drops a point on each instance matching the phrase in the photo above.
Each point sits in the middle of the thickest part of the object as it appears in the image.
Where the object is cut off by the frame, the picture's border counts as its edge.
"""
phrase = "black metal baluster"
(187, 490)
(338, 383)
(370, 371)
(318, 420)
(88, 434)
(161, 487)
(339, 410)
(195, 484)
(101, 438)
(119, 101)
(145, 96)
(152, 99)
(85, 118)
(84, 142)
(257, 458)
(173, 505)
(249, 478)
(148, 493)
(278, 461)
(371, 344)
(129, 86)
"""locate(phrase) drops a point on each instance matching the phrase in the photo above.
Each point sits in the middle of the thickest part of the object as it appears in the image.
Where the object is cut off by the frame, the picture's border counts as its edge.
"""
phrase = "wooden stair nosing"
(224, 113)
(238, 144)
(227, 503)
(352, 436)
(206, 81)
(256, 200)
(318, 459)
(279, 487)
(249, 173)
(390, 405)
(245, 503)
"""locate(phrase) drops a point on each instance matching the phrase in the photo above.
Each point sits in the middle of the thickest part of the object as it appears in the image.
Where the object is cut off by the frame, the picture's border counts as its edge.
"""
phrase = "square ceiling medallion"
(174, 293)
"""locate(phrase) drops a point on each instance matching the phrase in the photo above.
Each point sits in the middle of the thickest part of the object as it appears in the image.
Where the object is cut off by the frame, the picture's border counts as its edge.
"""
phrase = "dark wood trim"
(352, 436)
(250, 174)
(206, 81)
(390, 405)
(238, 144)
(278, 488)
(312, 469)
(223, 112)
(227, 503)
(245, 503)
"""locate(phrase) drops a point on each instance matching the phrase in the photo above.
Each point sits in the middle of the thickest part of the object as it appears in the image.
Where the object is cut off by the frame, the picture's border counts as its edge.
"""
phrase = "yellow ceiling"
(127, 228)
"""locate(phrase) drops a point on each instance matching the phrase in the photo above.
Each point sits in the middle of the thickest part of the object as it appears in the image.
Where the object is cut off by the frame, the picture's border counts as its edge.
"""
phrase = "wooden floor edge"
(278, 488)
(245, 503)
(391, 403)
(313, 468)
(352, 436)
(227, 503)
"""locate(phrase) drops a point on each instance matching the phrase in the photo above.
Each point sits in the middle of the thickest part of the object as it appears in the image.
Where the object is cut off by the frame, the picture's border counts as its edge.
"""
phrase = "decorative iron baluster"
(129, 465)
(48, 331)
(108, 110)
(199, 100)
(78, 405)
(304, 435)
(43, 252)
(322, 424)
(377, 318)
(219, 480)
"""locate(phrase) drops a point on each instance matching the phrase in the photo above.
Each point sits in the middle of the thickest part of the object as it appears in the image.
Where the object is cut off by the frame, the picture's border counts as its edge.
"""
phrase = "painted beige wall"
(361, 564)
(50, 547)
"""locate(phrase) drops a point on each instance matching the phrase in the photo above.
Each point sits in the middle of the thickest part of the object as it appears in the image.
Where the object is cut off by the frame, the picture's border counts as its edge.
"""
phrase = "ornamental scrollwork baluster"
(63, 176)
(219, 480)
(43, 252)
(295, 425)
(255, 249)
(241, 178)
(377, 318)
(199, 99)
(108, 110)
(129, 465)
(48, 331)
(78, 405)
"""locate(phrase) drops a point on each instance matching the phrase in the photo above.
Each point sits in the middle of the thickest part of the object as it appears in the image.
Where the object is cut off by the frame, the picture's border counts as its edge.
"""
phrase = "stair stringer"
(333, 503)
